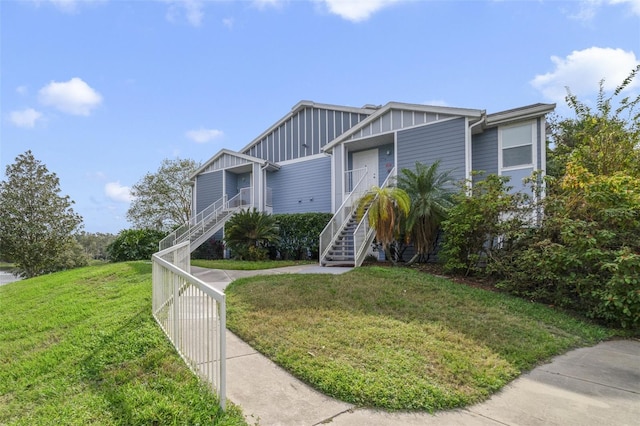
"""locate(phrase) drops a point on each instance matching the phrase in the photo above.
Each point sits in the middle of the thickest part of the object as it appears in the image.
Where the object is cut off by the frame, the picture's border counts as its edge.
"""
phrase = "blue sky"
(102, 91)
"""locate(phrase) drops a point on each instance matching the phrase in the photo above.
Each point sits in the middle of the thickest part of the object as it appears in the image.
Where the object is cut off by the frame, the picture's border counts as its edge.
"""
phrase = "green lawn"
(399, 339)
(81, 347)
(246, 265)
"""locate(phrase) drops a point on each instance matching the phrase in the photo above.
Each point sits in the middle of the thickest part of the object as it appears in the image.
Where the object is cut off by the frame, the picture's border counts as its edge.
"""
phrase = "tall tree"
(431, 193)
(387, 207)
(162, 200)
(604, 141)
(36, 223)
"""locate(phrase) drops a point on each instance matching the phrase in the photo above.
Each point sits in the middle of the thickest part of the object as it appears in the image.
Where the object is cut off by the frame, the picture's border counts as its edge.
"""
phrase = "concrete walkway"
(585, 387)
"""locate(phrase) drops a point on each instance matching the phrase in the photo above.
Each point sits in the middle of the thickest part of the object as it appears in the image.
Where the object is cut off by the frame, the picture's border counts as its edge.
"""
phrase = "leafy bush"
(586, 255)
(134, 244)
(299, 235)
(483, 223)
(249, 232)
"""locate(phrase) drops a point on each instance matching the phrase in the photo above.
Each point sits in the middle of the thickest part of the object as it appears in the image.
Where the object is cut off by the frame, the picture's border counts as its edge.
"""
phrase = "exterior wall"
(304, 134)
(302, 187)
(396, 119)
(540, 140)
(230, 183)
(208, 189)
(385, 162)
(444, 141)
(485, 152)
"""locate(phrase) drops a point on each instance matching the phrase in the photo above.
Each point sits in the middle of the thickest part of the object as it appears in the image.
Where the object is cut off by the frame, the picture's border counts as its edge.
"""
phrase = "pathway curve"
(596, 386)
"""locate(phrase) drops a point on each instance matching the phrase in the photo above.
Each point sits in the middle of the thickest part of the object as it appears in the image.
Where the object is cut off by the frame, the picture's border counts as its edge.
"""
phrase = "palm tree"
(431, 194)
(248, 232)
(387, 206)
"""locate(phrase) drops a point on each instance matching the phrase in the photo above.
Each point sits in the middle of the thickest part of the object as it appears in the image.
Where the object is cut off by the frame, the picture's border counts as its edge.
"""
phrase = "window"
(517, 145)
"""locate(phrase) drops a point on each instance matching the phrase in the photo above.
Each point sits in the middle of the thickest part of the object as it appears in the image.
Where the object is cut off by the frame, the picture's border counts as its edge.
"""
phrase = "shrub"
(134, 244)
(481, 224)
(299, 235)
(211, 249)
(249, 232)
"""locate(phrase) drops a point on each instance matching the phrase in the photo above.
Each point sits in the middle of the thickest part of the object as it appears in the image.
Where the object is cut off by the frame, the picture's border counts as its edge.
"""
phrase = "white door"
(368, 159)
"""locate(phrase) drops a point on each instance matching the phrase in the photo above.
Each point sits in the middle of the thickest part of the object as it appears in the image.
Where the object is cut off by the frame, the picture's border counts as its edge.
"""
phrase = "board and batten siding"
(444, 141)
(208, 189)
(484, 148)
(385, 162)
(302, 187)
(303, 134)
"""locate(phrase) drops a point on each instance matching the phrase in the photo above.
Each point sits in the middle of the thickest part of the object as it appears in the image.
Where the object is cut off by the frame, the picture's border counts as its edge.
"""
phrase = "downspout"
(470, 153)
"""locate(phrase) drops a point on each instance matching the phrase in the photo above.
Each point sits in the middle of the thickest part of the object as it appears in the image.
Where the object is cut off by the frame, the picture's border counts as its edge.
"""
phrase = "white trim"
(532, 124)
(301, 159)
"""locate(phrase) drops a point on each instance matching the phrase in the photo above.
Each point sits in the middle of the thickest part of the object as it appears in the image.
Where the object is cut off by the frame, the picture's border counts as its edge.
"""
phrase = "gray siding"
(303, 134)
(302, 187)
(208, 189)
(444, 141)
(484, 148)
(231, 184)
(385, 162)
(396, 119)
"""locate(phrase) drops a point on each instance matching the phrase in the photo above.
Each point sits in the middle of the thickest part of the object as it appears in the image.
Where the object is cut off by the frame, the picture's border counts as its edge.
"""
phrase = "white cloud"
(228, 22)
(588, 9)
(193, 11)
(262, 4)
(634, 5)
(117, 192)
(204, 135)
(25, 118)
(73, 97)
(69, 6)
(22, 90)
(356, 10)
(582, 70)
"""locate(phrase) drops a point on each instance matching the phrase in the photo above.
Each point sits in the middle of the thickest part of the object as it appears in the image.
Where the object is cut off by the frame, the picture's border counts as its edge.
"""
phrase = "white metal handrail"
(363, 234)
(192, 315)
(337, 222)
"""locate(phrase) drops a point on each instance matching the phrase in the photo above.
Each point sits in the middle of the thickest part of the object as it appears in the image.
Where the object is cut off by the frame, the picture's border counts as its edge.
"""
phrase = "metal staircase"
(209, 221)
(345, 240)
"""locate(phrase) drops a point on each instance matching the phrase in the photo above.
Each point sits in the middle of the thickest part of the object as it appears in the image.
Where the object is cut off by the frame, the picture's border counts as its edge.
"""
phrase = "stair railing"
(207, 218)
(364, 233)
(330, 233)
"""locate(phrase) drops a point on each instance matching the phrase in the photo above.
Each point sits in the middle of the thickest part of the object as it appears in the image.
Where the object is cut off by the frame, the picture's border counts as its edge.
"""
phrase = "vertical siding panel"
(323, 126)
(209, 189)
(484, 147)
(295, 141)
(302, 187)
(331, 133)
(440, 141)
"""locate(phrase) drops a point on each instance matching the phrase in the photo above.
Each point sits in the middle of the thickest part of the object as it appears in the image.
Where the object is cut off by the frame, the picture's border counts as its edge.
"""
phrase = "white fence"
(192, 315)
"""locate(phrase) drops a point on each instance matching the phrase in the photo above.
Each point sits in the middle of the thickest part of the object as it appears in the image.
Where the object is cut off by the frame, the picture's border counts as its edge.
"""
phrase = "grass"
(399, 339)
(247, 265)
(81, 347)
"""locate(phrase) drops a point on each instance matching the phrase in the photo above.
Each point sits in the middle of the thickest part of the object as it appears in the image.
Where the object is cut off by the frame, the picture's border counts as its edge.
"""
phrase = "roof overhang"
(308, 104)
(268, 165)
(462, 112)
(523, 113)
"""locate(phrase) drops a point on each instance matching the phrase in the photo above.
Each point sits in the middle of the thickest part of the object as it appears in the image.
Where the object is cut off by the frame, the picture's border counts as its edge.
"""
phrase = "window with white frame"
(517, 145)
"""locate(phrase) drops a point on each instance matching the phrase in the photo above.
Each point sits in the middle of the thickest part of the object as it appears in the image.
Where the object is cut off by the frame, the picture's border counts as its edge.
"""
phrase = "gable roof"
(367, 110)
(377, 117)
(225, 158)
(520, 113)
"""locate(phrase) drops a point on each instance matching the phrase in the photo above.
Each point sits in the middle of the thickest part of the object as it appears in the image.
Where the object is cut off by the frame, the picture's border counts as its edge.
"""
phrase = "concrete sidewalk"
(588, 386)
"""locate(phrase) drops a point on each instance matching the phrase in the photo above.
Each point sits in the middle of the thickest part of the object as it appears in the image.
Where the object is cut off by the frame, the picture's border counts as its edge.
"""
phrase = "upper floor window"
(517, 145)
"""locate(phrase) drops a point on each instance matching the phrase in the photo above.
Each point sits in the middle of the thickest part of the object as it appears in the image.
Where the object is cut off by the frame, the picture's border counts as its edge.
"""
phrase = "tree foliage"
(431, 193)
(604, 141)
(585, 253)
(249, 232)
(134, 244)
(162, 200)
(36, 223)
(299, 234)
(387, 208)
